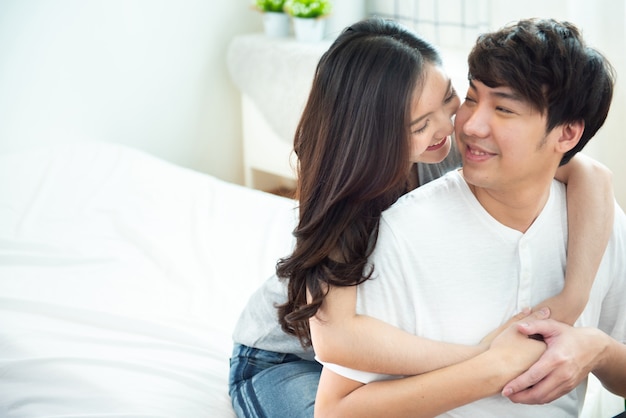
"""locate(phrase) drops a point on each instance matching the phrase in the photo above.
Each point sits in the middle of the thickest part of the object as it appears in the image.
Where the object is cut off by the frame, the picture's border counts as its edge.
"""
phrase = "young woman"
(380, 102)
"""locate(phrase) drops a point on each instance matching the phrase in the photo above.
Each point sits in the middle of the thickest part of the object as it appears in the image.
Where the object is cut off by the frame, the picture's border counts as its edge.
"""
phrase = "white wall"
(152, 73)
(147, 73)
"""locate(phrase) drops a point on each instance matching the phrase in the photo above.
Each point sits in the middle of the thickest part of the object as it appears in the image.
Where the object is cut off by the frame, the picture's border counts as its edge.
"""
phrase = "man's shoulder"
(451, 182)
(428, 203)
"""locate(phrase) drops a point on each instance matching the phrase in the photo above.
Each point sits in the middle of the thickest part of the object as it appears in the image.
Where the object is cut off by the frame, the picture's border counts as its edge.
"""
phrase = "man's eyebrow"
(509, 94)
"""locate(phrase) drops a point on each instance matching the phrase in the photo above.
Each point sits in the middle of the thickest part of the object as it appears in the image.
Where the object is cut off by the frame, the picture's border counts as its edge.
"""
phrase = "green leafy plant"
(308, 8)
(270, 5)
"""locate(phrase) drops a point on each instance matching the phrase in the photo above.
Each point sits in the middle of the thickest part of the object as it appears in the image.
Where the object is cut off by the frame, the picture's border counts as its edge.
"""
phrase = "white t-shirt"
(258, 325)
(446, 270)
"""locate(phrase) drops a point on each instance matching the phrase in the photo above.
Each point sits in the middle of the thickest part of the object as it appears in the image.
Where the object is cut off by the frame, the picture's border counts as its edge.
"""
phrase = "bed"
(121, 279)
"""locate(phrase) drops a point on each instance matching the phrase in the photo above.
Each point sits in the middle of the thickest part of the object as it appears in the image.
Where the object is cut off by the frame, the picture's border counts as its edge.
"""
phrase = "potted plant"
(308, 23)
(275, 20)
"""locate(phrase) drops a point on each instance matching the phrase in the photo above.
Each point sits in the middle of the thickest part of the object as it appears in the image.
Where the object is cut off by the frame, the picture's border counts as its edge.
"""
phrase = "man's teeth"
(476, 152)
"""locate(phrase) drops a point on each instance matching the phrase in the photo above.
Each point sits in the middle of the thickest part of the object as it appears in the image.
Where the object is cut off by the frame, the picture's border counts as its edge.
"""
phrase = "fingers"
(543, 313)
(537, 327)
(553, 375)
(554, 385)
(541, 393)
(527, 379)
(521, 315)
(527, 313)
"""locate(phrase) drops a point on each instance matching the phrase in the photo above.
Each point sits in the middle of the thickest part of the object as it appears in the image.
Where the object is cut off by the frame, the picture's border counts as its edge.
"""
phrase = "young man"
(537, 95)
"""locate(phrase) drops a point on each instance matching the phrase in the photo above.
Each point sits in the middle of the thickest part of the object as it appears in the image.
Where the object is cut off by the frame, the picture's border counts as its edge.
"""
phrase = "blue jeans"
(265, 384)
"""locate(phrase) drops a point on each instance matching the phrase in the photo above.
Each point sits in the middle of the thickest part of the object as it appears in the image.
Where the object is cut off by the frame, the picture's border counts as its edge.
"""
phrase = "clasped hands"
(568, 357)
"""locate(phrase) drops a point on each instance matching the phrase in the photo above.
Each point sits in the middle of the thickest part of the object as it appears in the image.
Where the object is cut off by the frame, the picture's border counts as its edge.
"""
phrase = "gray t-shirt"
(258, 323)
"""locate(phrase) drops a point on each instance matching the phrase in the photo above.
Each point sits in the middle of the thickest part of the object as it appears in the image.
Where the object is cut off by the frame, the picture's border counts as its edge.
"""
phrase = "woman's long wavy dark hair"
(352, 144)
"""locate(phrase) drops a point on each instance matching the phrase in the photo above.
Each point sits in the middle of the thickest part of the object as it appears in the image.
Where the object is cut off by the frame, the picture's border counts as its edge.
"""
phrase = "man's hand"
(570, 356)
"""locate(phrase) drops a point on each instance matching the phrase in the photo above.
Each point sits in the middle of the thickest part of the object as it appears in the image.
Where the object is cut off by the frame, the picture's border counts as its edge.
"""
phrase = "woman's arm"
(432, 393)
(590, 211)
(362, 342)
(343, 337)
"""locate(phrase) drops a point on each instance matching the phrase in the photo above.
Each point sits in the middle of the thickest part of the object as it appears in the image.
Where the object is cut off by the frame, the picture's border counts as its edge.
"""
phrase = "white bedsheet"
(121, 278)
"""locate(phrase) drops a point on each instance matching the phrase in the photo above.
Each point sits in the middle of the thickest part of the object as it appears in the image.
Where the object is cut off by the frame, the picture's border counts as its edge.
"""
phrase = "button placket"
(525, 268)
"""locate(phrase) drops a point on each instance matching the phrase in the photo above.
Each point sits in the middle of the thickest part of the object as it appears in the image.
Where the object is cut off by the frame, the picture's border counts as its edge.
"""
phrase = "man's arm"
(612, 369)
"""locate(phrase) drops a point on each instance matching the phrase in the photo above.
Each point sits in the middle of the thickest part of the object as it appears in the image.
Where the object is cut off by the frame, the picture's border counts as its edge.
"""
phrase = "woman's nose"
(446, 126)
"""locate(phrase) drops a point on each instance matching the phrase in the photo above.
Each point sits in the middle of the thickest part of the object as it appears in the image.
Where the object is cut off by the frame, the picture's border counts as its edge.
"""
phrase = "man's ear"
(570, 135)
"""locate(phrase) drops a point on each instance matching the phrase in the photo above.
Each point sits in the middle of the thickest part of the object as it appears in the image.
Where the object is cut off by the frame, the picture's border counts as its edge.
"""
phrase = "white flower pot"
(276, 24)
(309, 29)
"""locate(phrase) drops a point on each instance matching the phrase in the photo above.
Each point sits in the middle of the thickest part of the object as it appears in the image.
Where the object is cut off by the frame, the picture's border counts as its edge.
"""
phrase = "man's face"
(503, 140)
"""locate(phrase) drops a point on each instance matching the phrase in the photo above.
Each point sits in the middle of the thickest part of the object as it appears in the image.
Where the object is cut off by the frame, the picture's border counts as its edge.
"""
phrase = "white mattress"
(121, 278)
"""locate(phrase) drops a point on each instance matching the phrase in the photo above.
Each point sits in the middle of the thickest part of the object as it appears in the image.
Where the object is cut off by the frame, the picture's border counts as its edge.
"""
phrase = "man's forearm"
(611, 370)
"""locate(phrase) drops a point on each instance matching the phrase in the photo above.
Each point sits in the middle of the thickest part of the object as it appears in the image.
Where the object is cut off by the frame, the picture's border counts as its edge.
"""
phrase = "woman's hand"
(542, 313)
(516, 350)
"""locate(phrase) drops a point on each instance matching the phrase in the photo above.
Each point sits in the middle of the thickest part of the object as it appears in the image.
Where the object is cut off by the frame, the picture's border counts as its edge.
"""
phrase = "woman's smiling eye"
(422, 129)
(451, 96)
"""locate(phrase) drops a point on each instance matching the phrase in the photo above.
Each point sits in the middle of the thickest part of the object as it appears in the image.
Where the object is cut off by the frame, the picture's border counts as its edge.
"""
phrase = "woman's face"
(434, 105)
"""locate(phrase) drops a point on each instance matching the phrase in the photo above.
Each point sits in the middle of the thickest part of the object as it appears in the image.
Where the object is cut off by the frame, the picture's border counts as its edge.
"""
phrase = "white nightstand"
(269, 162)
(274, 76)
